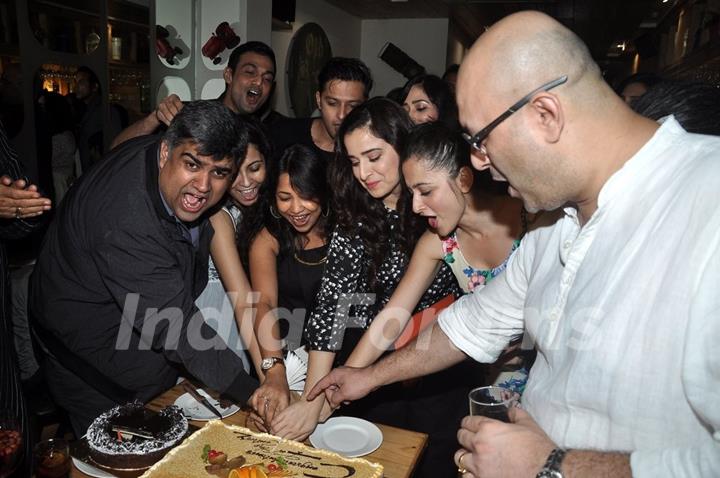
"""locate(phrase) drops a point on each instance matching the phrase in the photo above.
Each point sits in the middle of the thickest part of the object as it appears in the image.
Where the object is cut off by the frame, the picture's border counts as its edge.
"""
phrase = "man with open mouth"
(249, 80)
(113, 293)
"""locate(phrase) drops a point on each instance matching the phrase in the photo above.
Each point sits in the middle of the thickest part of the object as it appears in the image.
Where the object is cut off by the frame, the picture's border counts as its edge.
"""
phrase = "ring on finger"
(18, 212)
(461, 469)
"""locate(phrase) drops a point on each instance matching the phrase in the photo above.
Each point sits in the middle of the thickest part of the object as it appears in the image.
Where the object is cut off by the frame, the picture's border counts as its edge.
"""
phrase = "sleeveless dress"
(470, 279)
(298, 277)
(467, 276)
(215, 305)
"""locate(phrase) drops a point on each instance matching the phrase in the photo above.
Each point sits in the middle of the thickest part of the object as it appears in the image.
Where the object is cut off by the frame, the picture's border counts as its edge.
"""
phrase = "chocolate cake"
(127, 451)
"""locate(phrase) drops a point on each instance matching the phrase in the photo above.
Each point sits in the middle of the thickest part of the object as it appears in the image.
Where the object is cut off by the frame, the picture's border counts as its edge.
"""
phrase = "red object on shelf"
(223, 37)
(213, 47)
(163, 47)
(227, 35)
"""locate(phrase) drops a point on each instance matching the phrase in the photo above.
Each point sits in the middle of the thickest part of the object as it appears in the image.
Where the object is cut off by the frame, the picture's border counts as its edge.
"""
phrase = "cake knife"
(189, 388)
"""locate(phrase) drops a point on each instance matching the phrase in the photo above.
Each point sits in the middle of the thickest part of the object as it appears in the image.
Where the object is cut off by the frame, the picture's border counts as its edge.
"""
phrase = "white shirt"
(625, 313)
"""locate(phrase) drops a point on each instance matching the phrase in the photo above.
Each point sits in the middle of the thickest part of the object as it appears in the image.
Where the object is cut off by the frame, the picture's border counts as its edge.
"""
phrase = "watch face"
(549, 474)
(267, 363)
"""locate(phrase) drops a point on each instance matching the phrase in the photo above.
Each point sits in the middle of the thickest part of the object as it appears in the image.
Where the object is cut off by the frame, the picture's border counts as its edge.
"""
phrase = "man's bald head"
(521, 52)
(553, 149)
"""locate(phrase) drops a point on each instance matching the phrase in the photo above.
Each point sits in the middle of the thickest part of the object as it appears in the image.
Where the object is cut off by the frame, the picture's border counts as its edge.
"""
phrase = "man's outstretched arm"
(430, 352)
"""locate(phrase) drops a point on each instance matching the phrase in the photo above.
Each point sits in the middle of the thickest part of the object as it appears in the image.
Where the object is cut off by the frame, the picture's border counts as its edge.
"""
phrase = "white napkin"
(296, 368)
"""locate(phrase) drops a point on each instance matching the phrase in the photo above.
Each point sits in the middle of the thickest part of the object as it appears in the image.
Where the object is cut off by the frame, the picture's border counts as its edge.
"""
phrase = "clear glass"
(52, 459)
(492, 402)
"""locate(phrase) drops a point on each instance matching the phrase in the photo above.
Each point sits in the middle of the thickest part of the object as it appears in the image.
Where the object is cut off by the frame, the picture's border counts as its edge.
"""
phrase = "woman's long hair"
(307, 172)
(356, 211)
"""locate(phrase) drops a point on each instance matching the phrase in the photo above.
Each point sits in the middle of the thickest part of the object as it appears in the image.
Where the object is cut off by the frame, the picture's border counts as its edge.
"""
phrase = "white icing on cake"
(101, 439)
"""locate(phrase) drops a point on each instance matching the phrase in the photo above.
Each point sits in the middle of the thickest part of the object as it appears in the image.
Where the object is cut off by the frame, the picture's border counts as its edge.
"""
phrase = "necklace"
(307, 263)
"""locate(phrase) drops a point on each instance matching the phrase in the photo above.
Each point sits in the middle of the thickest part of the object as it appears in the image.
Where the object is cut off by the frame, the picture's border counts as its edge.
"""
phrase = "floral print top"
(468, 277)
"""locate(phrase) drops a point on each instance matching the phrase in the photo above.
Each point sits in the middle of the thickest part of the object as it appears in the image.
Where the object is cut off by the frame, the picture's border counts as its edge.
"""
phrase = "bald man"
(620, 294)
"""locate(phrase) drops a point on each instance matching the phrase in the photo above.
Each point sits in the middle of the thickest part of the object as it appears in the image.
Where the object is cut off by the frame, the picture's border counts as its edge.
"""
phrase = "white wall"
(424, 39)
(195, 76)
(342, 29)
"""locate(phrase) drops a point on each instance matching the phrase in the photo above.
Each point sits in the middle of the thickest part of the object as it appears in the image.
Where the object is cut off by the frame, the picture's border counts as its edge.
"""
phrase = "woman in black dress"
(287, 237)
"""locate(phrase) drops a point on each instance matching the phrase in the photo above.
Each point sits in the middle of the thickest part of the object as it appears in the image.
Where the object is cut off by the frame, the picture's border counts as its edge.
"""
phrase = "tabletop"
(398, 454)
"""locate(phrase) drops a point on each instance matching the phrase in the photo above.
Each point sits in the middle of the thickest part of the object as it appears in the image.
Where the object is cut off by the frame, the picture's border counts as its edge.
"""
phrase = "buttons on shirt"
(567, 244)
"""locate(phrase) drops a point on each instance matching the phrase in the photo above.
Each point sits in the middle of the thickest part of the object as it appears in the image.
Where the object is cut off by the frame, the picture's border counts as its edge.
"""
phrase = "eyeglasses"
(477, 140)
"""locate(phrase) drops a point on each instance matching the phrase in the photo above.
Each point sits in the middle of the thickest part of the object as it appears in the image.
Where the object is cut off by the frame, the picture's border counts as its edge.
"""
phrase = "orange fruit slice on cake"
(251, 471)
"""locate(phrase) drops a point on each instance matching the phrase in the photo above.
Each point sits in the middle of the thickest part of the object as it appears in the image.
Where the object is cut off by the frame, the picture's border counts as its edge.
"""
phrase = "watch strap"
(551, 469)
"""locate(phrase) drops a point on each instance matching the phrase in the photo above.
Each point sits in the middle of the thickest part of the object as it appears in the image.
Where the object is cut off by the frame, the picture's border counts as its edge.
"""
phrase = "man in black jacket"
(124, 260)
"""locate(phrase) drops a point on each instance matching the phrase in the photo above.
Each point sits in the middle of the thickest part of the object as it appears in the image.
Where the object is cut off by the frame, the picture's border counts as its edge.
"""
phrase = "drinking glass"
(11, 443)
(492, 402)
(52, 459)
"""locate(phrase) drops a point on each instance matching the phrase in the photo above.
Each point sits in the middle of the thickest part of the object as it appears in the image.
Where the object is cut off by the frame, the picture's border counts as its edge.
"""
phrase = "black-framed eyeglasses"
(477, 140)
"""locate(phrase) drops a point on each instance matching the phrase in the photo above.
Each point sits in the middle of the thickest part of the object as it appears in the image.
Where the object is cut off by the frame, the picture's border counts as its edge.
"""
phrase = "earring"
(274, 213)
(326, 210)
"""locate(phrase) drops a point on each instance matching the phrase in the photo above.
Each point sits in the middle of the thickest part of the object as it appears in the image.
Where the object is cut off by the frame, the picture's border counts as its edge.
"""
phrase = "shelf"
(65, 8)
(128, 64)
(144, 26)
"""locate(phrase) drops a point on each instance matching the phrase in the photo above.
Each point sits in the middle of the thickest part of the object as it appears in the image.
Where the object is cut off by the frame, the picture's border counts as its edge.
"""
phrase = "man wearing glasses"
(619, 295)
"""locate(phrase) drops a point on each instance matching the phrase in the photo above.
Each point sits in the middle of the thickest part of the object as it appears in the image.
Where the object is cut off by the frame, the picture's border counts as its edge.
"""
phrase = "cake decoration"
(132, 437)
(264, 454)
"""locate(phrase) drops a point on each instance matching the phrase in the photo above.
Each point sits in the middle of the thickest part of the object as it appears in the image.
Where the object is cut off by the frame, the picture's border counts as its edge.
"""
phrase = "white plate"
(196, 411)
(347, 436)
(91, 470)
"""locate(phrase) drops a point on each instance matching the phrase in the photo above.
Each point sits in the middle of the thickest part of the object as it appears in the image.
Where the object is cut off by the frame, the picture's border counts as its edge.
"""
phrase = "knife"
(189, 388)
(133, 431)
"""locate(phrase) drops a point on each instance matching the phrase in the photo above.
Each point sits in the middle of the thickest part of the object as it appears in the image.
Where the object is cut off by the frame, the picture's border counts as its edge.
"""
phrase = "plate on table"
(194, 410)
(348, 436)
(91, 470)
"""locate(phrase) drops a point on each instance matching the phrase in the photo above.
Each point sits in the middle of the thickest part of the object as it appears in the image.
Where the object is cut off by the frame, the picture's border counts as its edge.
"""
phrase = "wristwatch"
(551, 469)
(268, 363)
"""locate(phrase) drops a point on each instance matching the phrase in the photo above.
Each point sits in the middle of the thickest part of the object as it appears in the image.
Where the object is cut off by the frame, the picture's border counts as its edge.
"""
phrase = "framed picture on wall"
(308, 52)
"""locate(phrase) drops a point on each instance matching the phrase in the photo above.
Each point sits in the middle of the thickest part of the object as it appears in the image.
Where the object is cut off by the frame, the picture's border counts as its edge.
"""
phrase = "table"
(398, 454)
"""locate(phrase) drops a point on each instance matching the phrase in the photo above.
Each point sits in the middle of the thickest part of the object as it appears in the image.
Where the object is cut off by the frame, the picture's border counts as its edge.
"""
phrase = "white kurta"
(625, 313)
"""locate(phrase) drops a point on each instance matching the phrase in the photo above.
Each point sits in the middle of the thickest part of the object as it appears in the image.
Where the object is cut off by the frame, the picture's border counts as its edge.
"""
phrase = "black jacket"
(113, 249)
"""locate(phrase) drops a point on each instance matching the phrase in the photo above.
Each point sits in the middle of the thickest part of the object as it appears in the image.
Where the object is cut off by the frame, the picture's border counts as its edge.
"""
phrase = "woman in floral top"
(472, 230)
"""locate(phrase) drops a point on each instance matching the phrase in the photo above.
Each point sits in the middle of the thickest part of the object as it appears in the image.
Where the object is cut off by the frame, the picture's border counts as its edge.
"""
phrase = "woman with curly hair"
(374, 236)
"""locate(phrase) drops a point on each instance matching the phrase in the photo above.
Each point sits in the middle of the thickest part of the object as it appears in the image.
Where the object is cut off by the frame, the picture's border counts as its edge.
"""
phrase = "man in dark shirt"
(249, 81)
(125, 258)
(343, 84)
